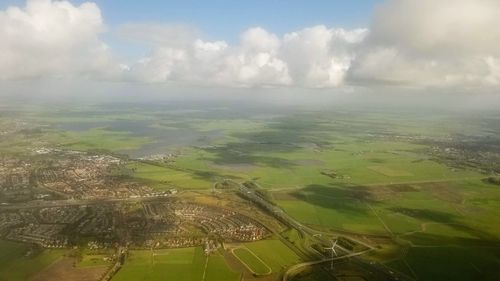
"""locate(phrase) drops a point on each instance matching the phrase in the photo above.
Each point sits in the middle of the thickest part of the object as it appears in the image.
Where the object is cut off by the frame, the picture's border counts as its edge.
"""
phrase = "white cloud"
(493, 76)
(49, 38)
(445, 43)
(259, 40)
(253, 63)
(320, 57)
(432, 43)
(180, 57)
(312, 57)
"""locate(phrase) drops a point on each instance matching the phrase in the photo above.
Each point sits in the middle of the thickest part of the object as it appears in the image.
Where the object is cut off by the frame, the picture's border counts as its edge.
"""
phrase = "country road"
(291, 270)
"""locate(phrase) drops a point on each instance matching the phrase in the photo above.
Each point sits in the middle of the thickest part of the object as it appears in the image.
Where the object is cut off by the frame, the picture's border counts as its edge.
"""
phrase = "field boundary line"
(205, 269)
(380, 219)
(249, 267)
(411, 269)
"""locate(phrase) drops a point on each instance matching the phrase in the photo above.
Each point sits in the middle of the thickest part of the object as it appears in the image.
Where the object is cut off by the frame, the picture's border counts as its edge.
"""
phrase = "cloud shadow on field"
(342, 199)
(448, 219)
(281, 135)
(241, 154)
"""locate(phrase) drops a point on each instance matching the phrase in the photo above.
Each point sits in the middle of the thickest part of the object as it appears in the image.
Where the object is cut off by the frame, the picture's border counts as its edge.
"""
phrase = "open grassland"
(364, 172)
(63, 270)
(230, 126)
(444, 208)
(217, 270)
(273, 253)
(449, 228)
(252, 261)
(450, 263)
(186, 264)
(98, 139)
(164, 178)
(15, 265)
(93, 260)
(338, 176)
(365, 163)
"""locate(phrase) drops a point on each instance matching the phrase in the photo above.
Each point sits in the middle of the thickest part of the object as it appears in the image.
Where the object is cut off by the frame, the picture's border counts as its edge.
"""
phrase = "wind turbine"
(332, 248)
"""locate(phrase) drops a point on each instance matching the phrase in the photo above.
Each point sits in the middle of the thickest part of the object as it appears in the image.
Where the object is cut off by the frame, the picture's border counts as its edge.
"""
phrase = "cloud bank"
(425, 43)
(432, 43)
(312, 57)
(53, 39)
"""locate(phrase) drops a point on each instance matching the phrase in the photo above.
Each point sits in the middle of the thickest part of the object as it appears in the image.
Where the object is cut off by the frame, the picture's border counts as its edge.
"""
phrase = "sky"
(411, 46)
(223, 19)
(226, 18)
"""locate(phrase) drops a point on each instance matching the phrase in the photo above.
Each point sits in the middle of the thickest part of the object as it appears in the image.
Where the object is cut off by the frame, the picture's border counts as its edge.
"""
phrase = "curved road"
(298, 266)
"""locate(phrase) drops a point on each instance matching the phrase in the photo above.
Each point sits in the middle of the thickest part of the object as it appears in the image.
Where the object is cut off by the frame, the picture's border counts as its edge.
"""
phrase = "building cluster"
(187, 224)
(28, 226)
(226, 224)
(168, 157)
(183, 241)
(481, 153)
(211, 246)
(16, 180)
(13, 126)
(460, 156)
(99, 222)
(49, 173)
(66, 215)
(9, 221)
(53, 227)
(165, 223)
(45, 235)
(83, 176)
(98, 245)
(181, 219)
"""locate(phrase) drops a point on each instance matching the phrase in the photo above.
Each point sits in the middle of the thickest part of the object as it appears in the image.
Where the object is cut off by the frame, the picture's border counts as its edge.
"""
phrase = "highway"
(280, 214)
(320, 237)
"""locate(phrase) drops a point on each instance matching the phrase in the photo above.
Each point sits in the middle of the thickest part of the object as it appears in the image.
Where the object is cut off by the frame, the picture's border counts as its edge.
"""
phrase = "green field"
(413, 177)
(217, 270)
(15, 265)
(446, 223)
(451, 263)
(354, 163)
(186, 264)
(98, 139)
(273, 253)
(93, 260)
(163, 178)
(96, 257)
(252, 261)
(441, 208)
